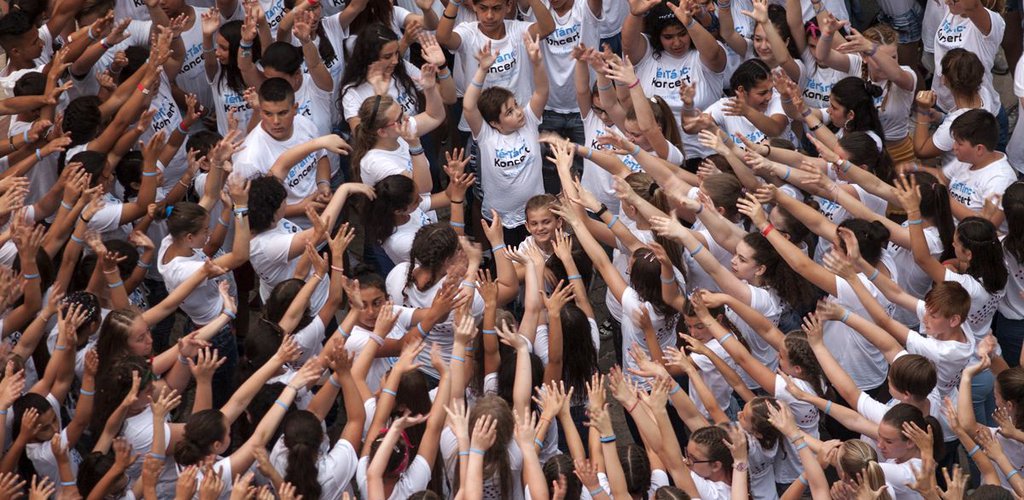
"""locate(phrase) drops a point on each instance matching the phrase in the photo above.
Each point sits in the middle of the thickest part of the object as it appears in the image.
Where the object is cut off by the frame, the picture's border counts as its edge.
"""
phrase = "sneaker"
(1000, 66)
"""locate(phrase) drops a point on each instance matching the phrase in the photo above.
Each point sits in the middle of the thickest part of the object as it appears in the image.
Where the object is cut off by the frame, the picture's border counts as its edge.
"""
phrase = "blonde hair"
(858, 457)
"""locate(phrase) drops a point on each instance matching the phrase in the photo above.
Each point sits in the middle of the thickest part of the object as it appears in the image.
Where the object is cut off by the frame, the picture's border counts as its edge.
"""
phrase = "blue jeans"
(983, 396)
(1010, 334)
(1004, 129)
(569, 125)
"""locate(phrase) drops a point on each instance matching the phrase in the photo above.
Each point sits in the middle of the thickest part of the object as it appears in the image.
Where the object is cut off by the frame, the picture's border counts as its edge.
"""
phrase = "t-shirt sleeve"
(871, 408)
(107, 218)
(942, 138)
(350, 103)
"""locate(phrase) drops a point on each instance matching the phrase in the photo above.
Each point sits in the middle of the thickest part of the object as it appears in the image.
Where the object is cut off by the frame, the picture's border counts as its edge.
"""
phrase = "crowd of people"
(496, 249)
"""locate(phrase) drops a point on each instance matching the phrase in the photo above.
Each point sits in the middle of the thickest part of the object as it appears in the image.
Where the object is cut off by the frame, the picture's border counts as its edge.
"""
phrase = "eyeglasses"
(399, 120)
(691, 461)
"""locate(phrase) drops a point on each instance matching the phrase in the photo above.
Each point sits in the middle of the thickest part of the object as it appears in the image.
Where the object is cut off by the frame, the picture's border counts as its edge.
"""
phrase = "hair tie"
(170, 208)
(652, 189)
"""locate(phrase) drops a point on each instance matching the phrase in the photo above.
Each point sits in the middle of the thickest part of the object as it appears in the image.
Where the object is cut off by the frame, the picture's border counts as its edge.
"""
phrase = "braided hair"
(432, 248)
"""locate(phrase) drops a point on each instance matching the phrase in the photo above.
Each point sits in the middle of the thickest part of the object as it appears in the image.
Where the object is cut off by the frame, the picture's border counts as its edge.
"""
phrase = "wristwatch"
(599, 213)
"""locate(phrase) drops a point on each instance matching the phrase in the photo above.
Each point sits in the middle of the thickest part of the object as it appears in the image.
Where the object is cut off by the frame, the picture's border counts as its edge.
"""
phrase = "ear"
(295, 107)
(760, 270)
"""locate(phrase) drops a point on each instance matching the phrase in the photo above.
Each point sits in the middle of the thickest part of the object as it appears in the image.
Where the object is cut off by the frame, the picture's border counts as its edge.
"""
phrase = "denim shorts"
(907, 24)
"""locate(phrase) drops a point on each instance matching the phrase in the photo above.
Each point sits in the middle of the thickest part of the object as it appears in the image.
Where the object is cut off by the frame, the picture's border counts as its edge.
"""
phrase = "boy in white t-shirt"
(979, 172)
(308, 179)
(508, 138)
(314, 91)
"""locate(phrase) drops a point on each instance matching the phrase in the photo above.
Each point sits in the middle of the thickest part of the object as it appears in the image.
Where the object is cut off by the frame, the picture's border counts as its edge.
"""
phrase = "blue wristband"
(25, 136)
(389, 392)
(3, 412)
(915, 222)
(667, 281)
(694, 253)
(476, 451)
(802, 479)
(78, 240)
(458, 358)
(67, 484)
(635, 151)
(677, 389)
(801, 446)
(39, 157)
(444, 76)
(457, 224)
(221, 222)
(229, 314)
(60, 348)
(115, 285)
(463, 453)
(65, 205)
(490, 332)
(419, 327)
(873, 275)
(495, 248)
(242, 45)
(788, 172)
(606, 87)
(84, 392)
(846, 316)
(477, 85)
(608, 439)
(597, 491)
(613, 221)
(280, 403)
(150, 174)
(574, 277)
(143, 265)
(1012, 473)
(828, 407)
(158, 456)
(30, 276)
(415, 151)
(333, 382)
(538, 442)
(970, 454)
(725, 337)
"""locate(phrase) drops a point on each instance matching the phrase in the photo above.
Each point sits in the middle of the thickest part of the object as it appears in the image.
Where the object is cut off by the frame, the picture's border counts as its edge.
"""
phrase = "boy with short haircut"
(942, 312)
(306, 180)
(979, 172)
(508, 138)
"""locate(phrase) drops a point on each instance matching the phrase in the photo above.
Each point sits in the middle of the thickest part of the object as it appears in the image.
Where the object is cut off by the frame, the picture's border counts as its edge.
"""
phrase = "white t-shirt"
(1015, 148)
(262, 150)
(768, 303)
(413, 480)
(310, 339)
(443, 332)
(633, 334)
(353, 96)
(204, 304)
(315, 104)
(335, 468)
(761, 469)
(511, 69)
(739, 124)
(378, 163)
(1012, 305)
(911, 277)
(949, 356)
(268, 253)
(510, 169)
(973, 186)
(192, 77)
(893, 105)
(955, 31)
(663, 74)
(983, 304)
(819, 80)
(860, 358)
(578, 25)
(712, 377)
(787, 465)
(360, 337)
(399, 244)
(597, 180)
(227, 99)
